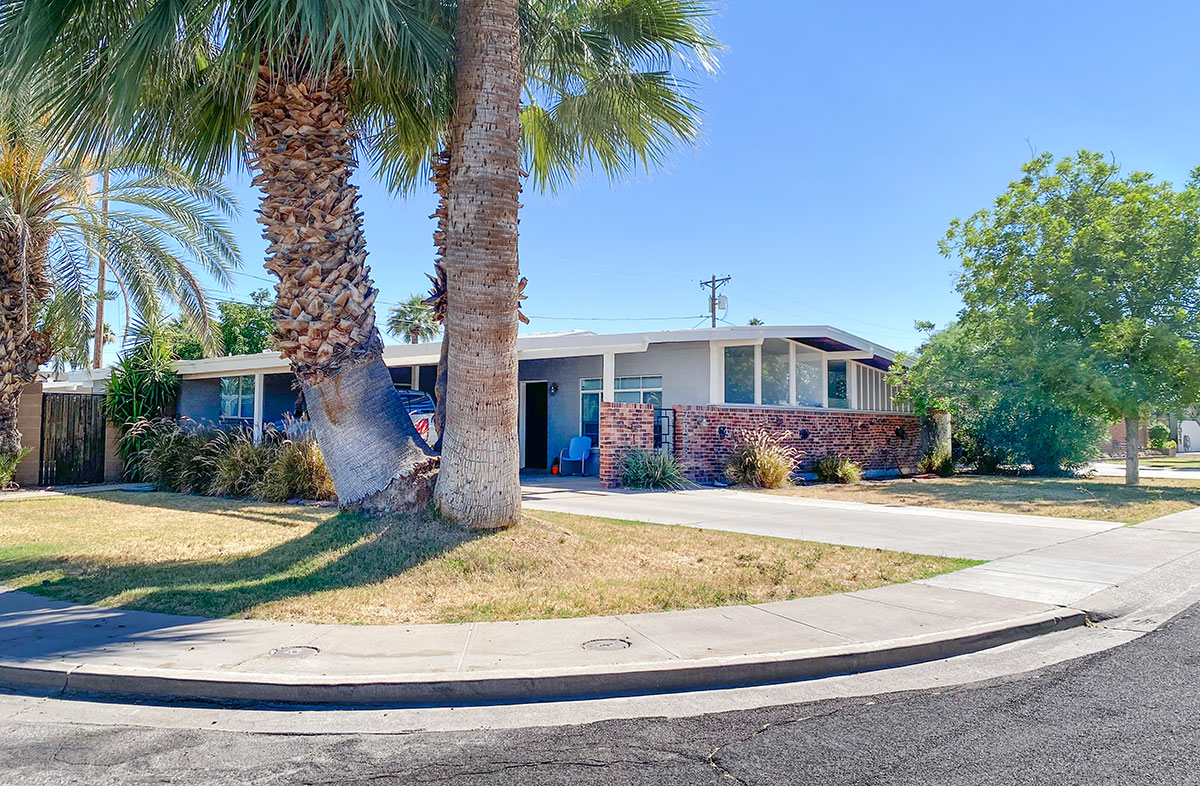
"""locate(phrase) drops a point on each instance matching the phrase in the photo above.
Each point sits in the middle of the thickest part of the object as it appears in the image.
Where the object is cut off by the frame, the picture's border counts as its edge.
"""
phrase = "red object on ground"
(554, 470)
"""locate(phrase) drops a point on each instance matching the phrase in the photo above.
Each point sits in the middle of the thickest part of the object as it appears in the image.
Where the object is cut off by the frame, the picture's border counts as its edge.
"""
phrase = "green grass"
(235, 558)
(1101, 499)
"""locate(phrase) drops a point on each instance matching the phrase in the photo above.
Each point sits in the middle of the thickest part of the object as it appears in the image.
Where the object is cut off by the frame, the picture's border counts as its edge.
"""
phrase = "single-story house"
(693, 391)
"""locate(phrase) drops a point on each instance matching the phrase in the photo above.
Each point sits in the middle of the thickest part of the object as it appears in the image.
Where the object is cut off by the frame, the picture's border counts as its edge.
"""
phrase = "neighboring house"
(699, 387)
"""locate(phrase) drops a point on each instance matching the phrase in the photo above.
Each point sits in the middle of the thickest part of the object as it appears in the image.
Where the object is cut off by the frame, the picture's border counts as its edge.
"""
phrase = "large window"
(589, 409)
(237, 397)
(776, 372)
(739, 375)
(628, 390)
(809, 381)
(839, 385)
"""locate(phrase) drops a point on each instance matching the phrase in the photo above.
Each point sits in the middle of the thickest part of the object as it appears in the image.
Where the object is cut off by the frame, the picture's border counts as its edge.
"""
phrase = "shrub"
(645, 469)
(8, 466)
(1159, 436)
(938, 461)
(298, 471)
(762, 458)
(239, 467)
(142, 387)
(838, 469)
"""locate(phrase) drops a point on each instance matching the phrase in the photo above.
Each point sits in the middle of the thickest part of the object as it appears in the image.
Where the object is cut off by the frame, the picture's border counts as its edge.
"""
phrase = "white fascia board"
(534, 347)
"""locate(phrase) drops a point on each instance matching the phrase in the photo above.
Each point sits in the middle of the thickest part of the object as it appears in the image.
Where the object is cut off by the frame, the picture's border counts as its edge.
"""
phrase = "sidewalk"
(62, 647)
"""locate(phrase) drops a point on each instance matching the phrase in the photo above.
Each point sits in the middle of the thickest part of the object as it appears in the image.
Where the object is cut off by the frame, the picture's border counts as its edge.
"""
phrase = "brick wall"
(623, 427)
(705, 437)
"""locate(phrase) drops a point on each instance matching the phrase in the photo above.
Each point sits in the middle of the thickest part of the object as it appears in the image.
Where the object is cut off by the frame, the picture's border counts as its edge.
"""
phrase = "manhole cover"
(295, 652)
(606, 644)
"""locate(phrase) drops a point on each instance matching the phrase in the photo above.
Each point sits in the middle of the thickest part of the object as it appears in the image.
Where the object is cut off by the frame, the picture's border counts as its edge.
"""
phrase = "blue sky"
(840, 140)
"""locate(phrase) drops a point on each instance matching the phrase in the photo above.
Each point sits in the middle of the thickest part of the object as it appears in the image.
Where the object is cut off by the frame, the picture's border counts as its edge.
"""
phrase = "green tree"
(246, 327)
(755, 321)
(1004, 411)
(1093, 276)
(413, 321)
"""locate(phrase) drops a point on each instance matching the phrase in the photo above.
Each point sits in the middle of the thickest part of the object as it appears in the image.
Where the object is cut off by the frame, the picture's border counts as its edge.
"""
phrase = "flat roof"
(573, 343)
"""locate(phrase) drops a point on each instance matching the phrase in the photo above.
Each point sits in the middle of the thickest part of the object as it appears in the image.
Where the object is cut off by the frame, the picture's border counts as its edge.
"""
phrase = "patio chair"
(579, 450)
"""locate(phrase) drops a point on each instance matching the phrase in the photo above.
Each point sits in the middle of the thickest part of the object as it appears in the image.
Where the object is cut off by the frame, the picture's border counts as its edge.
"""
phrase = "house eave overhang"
(568, 344)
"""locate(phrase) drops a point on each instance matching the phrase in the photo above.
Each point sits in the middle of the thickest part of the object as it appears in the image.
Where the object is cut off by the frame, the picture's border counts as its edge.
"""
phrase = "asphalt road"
(1126, 716)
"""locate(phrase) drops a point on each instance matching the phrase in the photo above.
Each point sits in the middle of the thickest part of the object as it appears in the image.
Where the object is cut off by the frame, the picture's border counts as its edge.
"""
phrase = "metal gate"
(664, 430)
(72, 439)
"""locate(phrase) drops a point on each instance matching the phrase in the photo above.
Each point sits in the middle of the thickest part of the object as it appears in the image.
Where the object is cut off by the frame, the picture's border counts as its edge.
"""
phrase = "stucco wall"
(563, 407)
(29, 423)
(200, 399)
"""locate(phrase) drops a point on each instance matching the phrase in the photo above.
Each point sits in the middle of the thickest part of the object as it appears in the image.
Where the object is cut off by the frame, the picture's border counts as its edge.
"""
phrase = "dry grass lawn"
(1100, 499)
(231, 558)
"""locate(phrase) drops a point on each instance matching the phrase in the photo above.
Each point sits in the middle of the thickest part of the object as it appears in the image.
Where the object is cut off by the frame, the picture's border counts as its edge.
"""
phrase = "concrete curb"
(417, 690)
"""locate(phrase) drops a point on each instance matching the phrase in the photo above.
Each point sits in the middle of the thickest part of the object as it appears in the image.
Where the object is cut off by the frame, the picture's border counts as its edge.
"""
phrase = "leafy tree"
(246, 327)
(755, 321)
(1004, 413)
(413, 321)
(1091, 279)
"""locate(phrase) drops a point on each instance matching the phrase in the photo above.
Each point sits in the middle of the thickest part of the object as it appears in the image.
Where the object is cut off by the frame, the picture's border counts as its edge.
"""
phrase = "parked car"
(421, 409)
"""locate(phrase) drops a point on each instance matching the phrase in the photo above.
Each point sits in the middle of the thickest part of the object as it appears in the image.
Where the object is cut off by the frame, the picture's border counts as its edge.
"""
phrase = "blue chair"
(579, 450)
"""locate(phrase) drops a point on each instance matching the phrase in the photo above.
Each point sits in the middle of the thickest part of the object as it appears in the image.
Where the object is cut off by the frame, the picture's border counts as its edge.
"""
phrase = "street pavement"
(1125, 716)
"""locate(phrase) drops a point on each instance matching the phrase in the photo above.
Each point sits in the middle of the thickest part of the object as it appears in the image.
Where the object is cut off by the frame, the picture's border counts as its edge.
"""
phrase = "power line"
(823, 310)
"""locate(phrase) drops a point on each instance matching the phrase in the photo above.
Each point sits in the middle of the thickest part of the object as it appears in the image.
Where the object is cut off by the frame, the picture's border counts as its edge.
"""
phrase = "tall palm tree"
(413, 320)
(392, 83)
(600, 91)
(160, 224)
(275, 80)
(478, 483)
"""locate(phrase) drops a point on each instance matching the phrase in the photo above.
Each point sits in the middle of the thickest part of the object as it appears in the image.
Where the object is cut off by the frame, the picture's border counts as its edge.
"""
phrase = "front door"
(536, 425)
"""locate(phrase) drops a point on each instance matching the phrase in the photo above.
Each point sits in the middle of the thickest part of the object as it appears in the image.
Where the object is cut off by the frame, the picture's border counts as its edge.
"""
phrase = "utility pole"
(714, 284)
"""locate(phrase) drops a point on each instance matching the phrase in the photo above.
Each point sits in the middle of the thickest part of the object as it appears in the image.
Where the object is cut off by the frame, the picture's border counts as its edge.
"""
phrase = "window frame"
(796, 353)
(598, 391)
(241, 397)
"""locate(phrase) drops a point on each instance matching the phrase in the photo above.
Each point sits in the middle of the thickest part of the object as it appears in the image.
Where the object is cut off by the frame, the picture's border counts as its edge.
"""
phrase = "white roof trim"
(533, 347)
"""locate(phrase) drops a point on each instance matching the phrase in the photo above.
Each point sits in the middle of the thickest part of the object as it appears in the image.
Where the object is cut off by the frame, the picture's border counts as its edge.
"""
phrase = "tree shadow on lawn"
(346, 550)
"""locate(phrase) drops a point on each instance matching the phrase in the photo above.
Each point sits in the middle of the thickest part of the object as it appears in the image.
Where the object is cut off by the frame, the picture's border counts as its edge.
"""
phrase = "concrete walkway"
(63, 491)
(1047, 573)
(1107, 470)
(948, 533)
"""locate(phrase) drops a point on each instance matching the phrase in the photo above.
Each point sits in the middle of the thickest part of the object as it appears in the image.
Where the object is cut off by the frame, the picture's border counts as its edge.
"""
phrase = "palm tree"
(413, 320)
(382, 58)
(600, 92)
(160, 223)
(196, 76)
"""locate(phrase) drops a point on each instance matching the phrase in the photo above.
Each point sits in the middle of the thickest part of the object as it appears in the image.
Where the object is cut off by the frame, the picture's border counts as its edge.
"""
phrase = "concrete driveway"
(949, 533)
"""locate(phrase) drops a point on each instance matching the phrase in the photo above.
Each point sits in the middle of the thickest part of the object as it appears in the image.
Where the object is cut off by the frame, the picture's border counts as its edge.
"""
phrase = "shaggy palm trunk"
(303, 152)
(23, 283)
(479, 483)
(1132, 446)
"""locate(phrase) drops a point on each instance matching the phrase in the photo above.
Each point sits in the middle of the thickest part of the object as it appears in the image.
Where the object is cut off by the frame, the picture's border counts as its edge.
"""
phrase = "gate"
(664, 430)
(72, 439)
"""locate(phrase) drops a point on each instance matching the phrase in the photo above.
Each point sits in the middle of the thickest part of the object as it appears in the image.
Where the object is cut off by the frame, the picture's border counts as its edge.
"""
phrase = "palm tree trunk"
(1132, 446)
(479, 483)
(101, 275)
(23, 283)
(324, 311)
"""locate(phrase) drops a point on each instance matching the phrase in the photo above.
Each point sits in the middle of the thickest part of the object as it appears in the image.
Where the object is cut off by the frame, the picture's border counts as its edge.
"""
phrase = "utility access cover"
(294, 652)
(606, 644)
